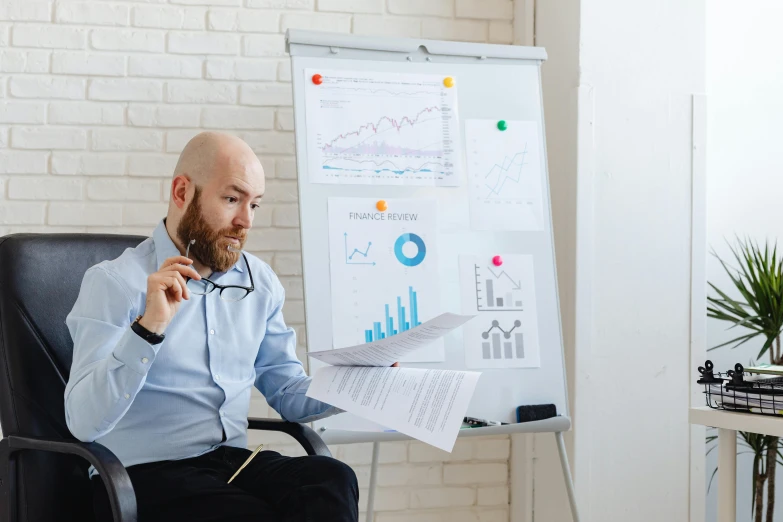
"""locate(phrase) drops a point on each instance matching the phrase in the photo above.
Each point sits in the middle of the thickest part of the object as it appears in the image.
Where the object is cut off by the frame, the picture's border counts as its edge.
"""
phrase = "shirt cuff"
(333, 410)
(135, 353)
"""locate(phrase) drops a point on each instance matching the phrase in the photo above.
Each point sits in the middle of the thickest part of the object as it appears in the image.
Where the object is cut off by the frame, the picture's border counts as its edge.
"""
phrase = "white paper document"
(381, 128)
(505, 175)
(383, 269)
(428, 405)
(505, 333)
(387, 351)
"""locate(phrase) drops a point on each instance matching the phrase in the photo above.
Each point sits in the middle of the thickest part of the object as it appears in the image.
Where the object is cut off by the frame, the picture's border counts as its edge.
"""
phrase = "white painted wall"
(744, 166)
(640, 64)
(619, 100)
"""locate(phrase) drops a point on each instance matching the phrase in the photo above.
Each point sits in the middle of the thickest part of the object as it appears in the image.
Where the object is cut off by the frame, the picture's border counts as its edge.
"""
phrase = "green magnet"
(502, 125)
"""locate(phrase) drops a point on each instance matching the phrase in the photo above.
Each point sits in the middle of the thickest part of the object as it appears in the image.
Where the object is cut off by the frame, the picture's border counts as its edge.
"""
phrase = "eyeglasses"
(204, 286)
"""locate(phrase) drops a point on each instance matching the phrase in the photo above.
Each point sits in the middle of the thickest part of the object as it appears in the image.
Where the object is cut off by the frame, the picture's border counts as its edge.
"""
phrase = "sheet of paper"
(505, 333)
(381, 128)
(383, 270)
(772, 369)
(505, 175)
(387, 351)
(428, 405)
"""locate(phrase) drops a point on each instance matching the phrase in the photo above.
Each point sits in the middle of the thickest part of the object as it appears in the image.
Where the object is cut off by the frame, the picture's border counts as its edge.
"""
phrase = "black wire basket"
(741, 390)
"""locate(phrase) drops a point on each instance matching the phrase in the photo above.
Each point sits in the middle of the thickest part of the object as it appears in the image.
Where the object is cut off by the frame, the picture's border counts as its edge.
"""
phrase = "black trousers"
(271, 488)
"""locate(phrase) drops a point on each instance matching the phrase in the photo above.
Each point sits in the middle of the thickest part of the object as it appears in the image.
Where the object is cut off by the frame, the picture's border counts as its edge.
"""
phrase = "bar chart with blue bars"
(383, 271)
(397, 320)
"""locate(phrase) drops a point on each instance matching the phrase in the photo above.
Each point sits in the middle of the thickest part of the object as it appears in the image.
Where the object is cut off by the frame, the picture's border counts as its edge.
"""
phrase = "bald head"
(209, 153)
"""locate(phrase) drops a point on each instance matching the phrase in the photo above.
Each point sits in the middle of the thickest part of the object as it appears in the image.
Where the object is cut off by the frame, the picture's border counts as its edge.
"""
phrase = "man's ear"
(179, 190)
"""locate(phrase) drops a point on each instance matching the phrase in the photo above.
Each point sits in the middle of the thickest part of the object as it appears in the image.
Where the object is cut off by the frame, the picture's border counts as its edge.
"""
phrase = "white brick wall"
(127, 40)
(43, 87)
(97, 99)
(75, 113)
(125, 90)
(263, 45)
(65, 62)
(165, 17)
(13, 61)
(164, 66)
(22, 112)
(92, 13)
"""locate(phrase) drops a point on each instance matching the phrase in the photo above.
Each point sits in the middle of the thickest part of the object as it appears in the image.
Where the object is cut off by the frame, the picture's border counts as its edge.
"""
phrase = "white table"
(728, 424)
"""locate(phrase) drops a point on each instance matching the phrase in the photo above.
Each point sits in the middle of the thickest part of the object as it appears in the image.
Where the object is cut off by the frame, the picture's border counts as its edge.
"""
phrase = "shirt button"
(145, 360)
(212, 332)
(127, 395)
(217, 377)
(222, 414)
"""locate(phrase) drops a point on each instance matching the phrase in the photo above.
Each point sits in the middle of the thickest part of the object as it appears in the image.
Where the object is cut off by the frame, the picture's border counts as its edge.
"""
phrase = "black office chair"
(43, 468)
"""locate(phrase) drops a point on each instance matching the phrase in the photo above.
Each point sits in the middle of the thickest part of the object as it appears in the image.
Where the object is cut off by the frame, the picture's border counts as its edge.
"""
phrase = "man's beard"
(211, 247)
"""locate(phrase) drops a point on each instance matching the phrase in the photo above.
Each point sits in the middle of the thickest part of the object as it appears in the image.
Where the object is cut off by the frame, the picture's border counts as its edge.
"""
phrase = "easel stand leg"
(376, 449)
(569, 482)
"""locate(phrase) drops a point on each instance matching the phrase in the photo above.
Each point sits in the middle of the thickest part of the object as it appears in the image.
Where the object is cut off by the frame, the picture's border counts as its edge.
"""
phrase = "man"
(167, 347)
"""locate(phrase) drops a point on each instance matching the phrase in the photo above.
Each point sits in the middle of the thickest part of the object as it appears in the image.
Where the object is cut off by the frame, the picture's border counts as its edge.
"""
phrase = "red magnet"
(318, 79)
(497, 261)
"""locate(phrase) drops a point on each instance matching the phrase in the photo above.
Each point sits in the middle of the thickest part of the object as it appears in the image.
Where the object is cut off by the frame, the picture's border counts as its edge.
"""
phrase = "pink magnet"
(497, 261)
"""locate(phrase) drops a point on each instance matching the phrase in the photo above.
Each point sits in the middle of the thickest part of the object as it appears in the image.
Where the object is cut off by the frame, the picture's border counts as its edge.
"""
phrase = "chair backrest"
(40, 277)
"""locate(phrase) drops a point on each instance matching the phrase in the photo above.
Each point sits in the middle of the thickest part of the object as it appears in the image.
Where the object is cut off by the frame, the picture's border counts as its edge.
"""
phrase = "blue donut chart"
(416, 240)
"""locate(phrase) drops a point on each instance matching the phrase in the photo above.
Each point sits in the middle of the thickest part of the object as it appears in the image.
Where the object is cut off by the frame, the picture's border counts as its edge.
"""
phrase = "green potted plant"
(758, 278)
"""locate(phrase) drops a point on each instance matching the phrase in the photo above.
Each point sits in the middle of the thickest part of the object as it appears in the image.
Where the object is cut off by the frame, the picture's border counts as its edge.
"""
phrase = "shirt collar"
(165, 247)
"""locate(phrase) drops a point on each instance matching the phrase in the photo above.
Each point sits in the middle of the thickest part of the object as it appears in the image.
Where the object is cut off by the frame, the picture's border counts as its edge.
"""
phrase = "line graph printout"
(382, 129)
(383, 269)
(505, 175)
(505, 333)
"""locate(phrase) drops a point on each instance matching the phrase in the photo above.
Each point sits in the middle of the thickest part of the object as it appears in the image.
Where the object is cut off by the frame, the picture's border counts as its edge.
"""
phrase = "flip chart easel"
(494, 81)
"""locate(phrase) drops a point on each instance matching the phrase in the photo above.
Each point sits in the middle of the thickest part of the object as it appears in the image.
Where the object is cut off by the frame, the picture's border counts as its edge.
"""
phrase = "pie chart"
(402, 241)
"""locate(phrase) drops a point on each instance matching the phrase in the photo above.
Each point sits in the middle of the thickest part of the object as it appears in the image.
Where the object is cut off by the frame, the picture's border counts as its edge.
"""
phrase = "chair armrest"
(118, 484)
(308, 438)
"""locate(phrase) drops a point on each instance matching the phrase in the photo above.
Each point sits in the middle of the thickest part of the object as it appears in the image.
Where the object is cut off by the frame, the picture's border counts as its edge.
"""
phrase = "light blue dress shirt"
(176, 399)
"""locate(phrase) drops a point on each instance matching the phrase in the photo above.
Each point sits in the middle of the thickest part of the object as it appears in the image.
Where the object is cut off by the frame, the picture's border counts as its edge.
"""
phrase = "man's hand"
(395, 365)
(166, 288)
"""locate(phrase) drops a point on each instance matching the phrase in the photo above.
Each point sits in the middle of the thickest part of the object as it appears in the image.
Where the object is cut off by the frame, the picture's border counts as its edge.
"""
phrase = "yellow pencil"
(246, 462)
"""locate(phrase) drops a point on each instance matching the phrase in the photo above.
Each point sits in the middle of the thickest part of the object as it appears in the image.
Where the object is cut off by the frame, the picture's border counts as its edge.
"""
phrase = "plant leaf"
(757, 281)
(712, 477)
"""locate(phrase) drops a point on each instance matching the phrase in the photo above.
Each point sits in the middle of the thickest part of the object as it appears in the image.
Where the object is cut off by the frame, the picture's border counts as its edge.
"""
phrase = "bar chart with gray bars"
(503, 344)
(497, 290)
